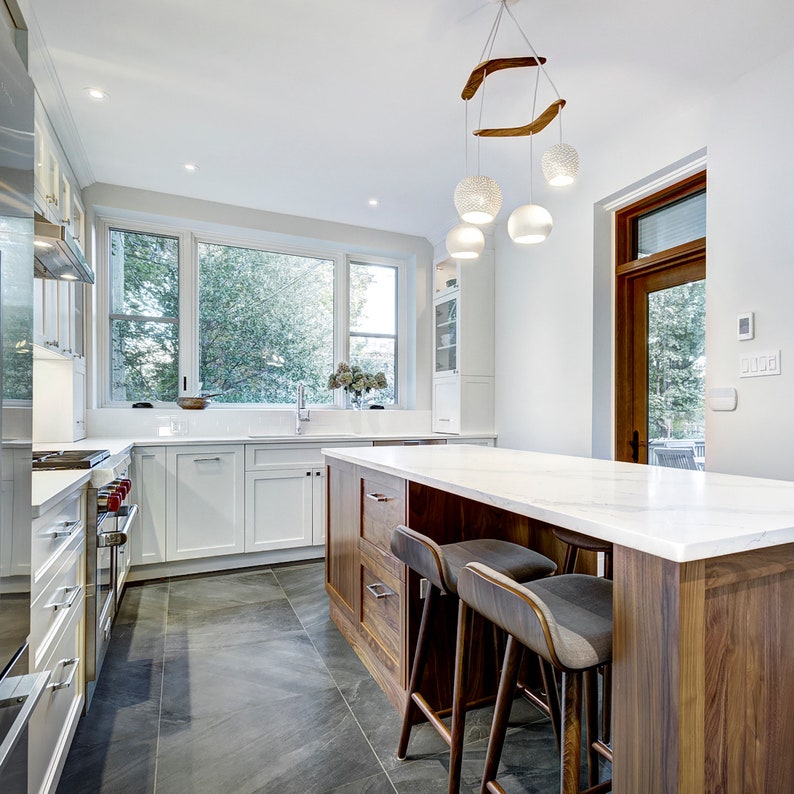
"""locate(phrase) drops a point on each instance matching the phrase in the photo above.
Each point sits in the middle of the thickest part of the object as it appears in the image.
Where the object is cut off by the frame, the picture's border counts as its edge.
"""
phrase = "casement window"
(245, 320)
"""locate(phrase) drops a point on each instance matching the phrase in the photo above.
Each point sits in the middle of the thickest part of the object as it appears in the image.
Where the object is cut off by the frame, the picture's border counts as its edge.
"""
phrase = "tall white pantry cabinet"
(463, 346)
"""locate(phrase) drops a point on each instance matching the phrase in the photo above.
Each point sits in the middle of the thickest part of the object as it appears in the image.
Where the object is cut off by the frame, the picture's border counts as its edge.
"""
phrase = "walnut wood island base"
(703, 671)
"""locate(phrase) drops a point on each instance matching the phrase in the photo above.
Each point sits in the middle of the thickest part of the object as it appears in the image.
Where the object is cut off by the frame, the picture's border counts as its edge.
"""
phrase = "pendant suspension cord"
(531, 179)
(489, 42)
(532, 49)
(466, 135)
(531, 135)
(488, 48)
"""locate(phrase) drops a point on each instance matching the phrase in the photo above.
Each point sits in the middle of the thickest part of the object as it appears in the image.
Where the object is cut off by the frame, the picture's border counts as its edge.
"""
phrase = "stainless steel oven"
(110, 518)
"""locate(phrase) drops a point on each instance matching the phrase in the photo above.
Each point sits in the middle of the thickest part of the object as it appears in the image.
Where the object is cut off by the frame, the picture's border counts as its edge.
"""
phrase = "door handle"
(635, 446)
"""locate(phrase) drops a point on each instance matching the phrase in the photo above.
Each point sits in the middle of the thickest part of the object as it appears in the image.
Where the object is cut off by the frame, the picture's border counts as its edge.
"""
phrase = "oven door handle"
(128, 513)
(29, 696)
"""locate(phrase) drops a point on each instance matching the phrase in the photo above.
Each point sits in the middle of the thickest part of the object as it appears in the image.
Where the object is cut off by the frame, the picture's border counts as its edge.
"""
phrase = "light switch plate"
(745, 326)
(759, 365)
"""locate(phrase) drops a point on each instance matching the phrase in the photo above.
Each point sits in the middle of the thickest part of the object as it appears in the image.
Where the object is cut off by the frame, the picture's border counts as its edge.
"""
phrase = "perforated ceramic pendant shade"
(478, 199)
(465, 241)
(560, 164)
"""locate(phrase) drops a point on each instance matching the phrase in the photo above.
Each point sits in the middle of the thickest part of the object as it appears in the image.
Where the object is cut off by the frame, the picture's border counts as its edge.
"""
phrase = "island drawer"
(381, 598)
(382, 508)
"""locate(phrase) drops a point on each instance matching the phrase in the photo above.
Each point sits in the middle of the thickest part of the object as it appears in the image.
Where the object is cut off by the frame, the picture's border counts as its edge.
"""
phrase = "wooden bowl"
(194, 403)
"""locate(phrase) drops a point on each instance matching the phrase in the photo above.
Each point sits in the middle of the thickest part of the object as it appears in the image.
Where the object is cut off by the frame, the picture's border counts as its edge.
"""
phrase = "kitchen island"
(703, 669)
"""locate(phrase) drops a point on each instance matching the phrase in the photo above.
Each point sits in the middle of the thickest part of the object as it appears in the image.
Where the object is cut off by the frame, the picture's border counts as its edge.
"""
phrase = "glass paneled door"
(669, 367)
(661, 328)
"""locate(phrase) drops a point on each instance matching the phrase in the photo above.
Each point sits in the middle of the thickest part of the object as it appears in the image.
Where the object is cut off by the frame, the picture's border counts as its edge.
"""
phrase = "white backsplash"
(218, 422)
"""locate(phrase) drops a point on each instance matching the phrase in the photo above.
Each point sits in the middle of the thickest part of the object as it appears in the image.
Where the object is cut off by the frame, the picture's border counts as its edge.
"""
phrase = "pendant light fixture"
(465, 241)
(478, 198)
(530, 223)
(475, 196)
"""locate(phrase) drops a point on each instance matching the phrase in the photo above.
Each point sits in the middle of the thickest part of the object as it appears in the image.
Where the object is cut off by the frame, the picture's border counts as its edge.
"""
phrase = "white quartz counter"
(671, 513)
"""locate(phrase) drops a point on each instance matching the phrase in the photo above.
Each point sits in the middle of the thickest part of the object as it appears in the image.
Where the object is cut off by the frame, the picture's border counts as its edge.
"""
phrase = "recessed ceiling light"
(373, 202)
(97, 94)
(192, 167)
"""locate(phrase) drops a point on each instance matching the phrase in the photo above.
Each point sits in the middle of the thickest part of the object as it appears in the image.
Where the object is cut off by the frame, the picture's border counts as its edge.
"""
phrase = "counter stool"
(577, 541)
(440, 565)
(567, 620)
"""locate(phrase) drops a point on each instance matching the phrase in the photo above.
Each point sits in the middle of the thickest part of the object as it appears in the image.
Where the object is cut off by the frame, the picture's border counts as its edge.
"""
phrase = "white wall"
(548, 358)
(750, 267)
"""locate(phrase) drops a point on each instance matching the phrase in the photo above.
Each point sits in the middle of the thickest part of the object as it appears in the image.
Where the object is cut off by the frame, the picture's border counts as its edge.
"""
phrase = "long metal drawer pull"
(68, 682)
(28, 696)
(379, 590)
(205, 460)
(378, 497)
(74, 592)
(69, 528)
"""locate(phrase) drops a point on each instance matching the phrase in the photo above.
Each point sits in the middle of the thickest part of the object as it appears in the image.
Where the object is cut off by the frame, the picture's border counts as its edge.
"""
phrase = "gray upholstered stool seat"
(441, 566)
(565, 619)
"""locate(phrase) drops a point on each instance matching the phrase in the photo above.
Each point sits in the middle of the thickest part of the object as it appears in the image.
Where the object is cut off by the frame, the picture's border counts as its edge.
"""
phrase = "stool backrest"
(566, 619)
(420, 554)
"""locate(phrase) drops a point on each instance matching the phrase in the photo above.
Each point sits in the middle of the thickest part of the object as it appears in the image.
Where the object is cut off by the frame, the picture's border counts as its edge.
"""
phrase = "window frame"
(188, 364)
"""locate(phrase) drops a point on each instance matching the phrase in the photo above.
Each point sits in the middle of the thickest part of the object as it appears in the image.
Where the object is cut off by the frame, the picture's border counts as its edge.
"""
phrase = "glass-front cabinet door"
(446, 347)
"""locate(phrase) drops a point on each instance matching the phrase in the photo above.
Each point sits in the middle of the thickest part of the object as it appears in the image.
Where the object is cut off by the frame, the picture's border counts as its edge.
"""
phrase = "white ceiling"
(312, 107)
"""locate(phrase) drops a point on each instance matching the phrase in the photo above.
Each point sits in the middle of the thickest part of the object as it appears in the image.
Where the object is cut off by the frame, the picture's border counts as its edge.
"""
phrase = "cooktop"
(68, 459)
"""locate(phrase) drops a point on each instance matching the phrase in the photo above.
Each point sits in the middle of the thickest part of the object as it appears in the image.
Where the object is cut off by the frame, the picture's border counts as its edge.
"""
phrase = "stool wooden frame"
(431, 563)
(492, 595)
(577, 542)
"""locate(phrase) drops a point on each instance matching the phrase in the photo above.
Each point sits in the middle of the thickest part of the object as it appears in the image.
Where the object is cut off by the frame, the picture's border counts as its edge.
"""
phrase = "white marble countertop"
(671, 513)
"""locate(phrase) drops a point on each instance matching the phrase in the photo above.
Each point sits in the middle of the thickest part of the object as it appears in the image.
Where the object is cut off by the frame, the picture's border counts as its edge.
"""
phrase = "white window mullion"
(188, 315)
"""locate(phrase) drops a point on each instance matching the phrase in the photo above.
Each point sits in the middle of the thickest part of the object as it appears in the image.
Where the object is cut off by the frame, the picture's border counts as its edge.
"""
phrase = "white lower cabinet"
(205, 505)
(278, 509)
(285, 497)
(57, 626)
(148, 492)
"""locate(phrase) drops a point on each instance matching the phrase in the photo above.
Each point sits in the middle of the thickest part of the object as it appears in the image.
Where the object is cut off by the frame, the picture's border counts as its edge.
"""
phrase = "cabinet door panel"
(446, 405)
(205, 503)
(148, 492)
(278, 510)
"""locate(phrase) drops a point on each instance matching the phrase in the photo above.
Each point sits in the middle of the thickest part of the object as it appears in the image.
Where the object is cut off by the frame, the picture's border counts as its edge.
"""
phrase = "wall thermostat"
(745, 326)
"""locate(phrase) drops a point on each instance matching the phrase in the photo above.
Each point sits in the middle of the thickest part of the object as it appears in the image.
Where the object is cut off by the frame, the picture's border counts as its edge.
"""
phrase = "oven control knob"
(121, 487)
(108, 502)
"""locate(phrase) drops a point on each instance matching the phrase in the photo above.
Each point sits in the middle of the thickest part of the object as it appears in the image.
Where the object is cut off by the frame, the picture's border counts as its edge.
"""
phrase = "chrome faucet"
(301, 411)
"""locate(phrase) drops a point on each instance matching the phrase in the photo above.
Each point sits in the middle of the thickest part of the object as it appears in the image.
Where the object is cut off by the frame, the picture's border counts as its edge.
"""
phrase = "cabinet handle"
(441, 419)
(68, 682)
(379, 590)
(69, 528)
(318, 473)
(308, 474)
(378, 497)
(205, 460)
(74, 591)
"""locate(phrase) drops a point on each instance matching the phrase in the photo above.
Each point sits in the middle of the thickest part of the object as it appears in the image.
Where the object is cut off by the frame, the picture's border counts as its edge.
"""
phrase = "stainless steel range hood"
(56, 254)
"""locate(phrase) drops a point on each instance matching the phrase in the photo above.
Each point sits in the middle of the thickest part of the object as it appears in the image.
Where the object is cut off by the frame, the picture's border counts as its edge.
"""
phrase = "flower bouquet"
(355, 382)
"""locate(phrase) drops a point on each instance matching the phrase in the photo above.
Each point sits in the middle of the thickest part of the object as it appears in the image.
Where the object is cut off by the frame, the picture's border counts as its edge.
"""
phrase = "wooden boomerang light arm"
(542, 121)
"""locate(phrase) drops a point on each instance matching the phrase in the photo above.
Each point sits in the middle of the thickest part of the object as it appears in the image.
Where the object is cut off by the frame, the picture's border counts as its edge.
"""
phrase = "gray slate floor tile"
(240, 683)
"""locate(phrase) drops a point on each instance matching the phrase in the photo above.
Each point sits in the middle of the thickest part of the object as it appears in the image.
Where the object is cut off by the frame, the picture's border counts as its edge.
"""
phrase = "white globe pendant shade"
(560, 164)
(465, 241)
(529, 224)
(478, 199)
